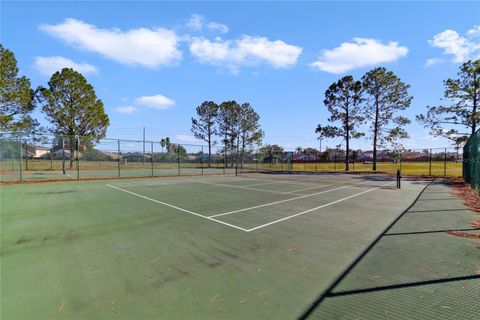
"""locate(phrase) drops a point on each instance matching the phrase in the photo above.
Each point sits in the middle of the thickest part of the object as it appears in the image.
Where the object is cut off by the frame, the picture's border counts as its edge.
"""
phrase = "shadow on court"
(415, 269)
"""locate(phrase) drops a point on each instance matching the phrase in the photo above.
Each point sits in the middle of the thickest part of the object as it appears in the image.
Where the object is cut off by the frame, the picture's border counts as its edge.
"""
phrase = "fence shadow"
(398, 260)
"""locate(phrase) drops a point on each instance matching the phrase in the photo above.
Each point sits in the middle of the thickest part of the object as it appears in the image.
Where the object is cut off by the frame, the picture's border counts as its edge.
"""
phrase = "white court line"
(166, 183)
(242, 187)
(310, 210)
(263, 183)
(177, 208)
(277, 202)
(265, 190)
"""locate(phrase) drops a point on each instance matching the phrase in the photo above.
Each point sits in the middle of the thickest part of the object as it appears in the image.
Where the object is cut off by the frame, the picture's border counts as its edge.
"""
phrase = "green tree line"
(379, 100)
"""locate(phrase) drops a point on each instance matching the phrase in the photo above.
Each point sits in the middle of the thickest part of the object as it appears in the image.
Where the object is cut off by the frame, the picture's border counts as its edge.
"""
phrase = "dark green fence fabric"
(471, 161)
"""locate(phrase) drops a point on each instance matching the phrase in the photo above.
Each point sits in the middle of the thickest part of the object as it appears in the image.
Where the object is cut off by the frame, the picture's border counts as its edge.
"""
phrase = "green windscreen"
(471, 161)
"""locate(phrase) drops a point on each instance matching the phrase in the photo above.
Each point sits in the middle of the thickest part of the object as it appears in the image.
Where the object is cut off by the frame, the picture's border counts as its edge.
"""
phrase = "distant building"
(35, 151)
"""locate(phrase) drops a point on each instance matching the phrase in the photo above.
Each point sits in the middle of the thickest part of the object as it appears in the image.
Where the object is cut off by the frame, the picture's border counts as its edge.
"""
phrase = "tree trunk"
(347, 140)
(375, 135)
(72, 151)
(225, 151)
(243, 150)
(209, 146)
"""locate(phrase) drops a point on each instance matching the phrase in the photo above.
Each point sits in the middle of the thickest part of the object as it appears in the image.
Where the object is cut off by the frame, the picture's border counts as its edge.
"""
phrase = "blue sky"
(152, 63)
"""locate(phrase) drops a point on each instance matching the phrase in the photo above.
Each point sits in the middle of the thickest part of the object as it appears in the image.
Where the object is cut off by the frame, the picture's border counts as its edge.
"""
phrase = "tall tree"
(343, 99)
(71, 105)
(271, 148)
(16, 96)
(204, 127)
(163, 143)
(250, 133)
(463, 111)
(228, 125)
(386, 95)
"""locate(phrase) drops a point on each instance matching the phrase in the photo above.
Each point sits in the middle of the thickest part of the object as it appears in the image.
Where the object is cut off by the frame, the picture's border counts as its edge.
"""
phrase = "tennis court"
(223, 247)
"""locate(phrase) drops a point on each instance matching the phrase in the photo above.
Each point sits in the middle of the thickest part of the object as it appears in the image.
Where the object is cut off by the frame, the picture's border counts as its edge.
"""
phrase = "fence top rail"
(400, 150)
(20, 133)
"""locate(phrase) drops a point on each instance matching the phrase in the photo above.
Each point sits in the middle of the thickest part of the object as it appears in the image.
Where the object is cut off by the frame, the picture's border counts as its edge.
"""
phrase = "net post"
(445, 163)
(21, 156)
(119, 158)
(430, 163)
(399, 178)
(151, 156)
(78, 158)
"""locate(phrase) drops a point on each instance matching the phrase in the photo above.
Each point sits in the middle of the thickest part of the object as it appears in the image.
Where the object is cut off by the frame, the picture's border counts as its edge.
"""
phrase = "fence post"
(151, 156)
(21, 156)
(26, 155)
(304, 161)
(445, 163)
(430, 163)
(119, 157)
(178, 158)
(63, 154)
(201, 160)
(401, 160)
(335, 160)
(78, 158)
(51, 159)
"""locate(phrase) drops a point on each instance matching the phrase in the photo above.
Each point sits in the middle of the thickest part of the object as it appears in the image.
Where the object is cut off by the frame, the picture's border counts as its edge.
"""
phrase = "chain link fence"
(37, 157)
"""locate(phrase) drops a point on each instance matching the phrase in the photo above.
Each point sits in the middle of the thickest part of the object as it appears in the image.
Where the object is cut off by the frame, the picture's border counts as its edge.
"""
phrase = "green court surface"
(265, 246)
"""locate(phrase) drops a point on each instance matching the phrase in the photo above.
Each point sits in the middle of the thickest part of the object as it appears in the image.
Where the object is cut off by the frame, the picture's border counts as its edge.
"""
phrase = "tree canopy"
(71, 105)
(460, 115)
(343, 99)
(16, 96)
(204, 127)
(386, 96)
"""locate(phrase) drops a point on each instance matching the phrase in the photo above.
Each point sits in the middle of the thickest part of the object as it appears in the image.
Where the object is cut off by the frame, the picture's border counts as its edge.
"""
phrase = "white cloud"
(49, 65)
(142, 46)
(195, 22)
(474, 31)
(185, 138)
(362, 52)
(157, 101)
(243, 51)
(433, 61)
(217, 27)
(127, 109)
(461, 48)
